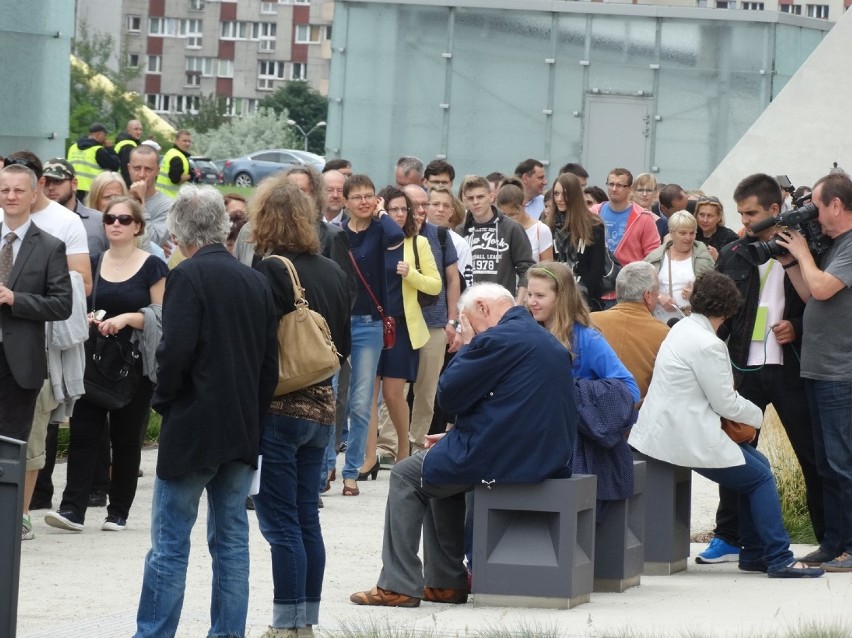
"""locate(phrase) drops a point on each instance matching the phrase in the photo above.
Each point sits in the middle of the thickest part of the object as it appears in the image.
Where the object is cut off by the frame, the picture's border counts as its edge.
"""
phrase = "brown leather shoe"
(439, 595)
(383, 598)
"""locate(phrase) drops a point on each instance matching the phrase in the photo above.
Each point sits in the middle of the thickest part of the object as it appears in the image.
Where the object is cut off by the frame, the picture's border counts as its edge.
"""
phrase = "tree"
(210, 115)
(305, 106)
(241, 135)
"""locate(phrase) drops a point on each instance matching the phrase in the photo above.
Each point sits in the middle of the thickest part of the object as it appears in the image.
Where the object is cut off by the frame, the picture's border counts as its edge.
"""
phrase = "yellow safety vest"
(85, 165)
(124, 143)
(164, 184)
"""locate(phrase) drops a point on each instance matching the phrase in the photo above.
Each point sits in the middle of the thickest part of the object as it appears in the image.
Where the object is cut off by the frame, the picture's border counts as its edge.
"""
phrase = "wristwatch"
(455, 324)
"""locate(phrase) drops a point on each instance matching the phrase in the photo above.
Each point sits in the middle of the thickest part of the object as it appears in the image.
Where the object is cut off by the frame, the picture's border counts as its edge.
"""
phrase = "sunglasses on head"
(10, 161)
(705, 198)
(124, 220)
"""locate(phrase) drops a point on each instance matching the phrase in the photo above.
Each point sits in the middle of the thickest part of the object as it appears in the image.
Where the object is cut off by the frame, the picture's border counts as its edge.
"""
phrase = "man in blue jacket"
(512, 390)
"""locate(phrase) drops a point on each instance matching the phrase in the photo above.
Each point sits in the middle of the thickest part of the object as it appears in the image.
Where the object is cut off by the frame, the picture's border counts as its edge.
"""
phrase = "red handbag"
(388, 323)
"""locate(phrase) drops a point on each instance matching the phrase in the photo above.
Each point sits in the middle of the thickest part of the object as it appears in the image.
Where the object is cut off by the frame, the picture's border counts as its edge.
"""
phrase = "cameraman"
(763, 339)
(826, 361)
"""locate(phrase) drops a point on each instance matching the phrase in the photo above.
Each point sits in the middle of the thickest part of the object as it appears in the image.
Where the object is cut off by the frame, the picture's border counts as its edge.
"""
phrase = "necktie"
(6, 259)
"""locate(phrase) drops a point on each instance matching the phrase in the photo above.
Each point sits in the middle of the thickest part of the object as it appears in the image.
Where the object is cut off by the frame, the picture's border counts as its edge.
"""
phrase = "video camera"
(801, 218)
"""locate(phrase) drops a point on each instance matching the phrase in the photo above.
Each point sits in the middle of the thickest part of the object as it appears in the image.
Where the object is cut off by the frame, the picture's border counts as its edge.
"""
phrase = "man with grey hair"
(217, 373)
(409, 170)
(509, 370)
(629, 327)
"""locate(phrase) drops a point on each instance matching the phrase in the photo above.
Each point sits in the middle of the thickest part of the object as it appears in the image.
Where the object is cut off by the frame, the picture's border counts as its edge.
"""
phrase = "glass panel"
(496, 122)
(792, 46)
(567, 134)
(621, 53)
(393, 86)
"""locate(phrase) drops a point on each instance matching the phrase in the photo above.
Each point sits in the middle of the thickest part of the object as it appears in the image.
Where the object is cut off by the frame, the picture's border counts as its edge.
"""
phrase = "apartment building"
(825, 9)
(240, 50)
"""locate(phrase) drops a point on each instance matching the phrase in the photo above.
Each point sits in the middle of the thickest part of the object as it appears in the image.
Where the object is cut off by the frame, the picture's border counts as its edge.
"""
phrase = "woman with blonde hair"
(644, 190)
(298, 425)
(579, 237)
(712, 231)
(555, 301)
(105, 186)
(678, 262)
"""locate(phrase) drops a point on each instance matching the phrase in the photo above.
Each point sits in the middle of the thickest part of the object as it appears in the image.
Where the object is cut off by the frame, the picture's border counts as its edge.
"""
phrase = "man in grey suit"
(34, 288)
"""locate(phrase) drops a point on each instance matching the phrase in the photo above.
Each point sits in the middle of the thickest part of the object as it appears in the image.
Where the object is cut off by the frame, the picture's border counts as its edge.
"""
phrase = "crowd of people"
(459, 309)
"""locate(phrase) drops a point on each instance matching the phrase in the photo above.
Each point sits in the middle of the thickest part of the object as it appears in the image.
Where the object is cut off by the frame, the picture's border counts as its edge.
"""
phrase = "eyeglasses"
(362, 198)
(643, 191)
(393, 210)
(706, 198)
(10, 161)
(124, 220)
(616, 185)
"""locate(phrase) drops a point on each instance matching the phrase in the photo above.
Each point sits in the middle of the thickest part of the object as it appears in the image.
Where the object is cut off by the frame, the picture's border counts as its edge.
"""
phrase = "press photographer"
(826, 364)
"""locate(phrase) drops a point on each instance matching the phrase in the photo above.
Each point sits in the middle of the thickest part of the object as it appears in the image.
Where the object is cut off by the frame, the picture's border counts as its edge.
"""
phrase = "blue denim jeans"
(293, 452)
(331, 449)
(174, 510)
(831, 418)
(762, 532)
(366, 349)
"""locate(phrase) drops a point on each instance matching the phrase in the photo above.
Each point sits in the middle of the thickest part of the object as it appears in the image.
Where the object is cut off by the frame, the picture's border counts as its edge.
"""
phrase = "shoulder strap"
(366, 285)
(298, 291)
(95, 282)
(416, 254)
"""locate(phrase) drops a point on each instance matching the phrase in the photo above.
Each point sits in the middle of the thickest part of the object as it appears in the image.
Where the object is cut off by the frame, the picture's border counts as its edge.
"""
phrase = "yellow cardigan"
(428, 281)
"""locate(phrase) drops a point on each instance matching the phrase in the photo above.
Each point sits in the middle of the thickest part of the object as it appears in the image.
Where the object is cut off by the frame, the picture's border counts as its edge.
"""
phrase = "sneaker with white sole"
(27, 529)
(719, 551)
(114, 524)
(64, 519)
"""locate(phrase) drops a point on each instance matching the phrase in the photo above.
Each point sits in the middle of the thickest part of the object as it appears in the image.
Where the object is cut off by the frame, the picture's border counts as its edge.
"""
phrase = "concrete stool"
(668, 499)
(619, 539)
(534, 543)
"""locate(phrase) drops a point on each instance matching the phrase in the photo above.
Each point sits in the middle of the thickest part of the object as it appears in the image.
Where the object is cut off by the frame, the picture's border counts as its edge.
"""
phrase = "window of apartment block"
(265, 33)
(268, 8)
(163, 26)
(792, 9)
(186, 103)
(294, 1)
(752, 6)
(133, 60)
(818, 11)
(155, 64)
(134, 24)
(267, 72)
(191, 30)
(158, 102)
(226, 69)
(726, 4)
(197, 5)
(308, 33)
(235, 30)
(196, 68)
(298, 71)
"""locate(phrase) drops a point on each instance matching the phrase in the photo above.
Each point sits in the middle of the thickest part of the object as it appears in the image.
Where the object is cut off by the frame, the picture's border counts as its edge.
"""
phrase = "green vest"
(85, 164)
(164, 184)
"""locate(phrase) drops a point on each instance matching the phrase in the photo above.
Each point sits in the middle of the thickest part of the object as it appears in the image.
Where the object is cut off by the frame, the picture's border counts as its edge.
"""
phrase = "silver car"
(248, 170)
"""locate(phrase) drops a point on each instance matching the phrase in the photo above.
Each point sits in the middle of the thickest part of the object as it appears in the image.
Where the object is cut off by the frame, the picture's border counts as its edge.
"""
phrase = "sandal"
(350, 490)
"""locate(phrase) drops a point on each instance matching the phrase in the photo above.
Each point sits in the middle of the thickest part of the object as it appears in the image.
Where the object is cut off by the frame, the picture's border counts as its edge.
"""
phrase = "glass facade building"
(486, 84)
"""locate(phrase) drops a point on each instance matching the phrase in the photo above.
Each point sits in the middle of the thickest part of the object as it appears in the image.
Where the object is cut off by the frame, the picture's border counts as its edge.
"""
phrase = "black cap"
(97, 127)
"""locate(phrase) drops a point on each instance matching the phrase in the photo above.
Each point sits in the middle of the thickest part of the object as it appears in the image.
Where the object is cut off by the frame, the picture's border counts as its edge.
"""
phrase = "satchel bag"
(610, 270)
(306, 351)
(738, 432)
(388, 323)
(423, 298)
(113, 367)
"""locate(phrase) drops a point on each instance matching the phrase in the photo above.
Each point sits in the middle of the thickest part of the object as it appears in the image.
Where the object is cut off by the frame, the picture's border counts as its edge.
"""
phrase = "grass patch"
(791, 484)
(230, 188)
(383, 629)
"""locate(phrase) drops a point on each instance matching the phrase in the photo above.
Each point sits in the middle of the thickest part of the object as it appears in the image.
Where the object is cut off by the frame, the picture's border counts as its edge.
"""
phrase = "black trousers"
(785, 390)
(87, 426)
(17, 404)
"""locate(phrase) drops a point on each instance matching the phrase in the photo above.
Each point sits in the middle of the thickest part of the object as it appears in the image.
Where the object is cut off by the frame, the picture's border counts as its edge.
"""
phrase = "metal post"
(13, 459)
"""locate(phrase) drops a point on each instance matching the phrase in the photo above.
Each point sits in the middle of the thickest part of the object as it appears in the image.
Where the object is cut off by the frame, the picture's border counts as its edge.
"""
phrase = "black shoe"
(753, 566)
(114, 524)
(373, 472)
(97, 499)
(249, 503)
(64, 519)
(796, 569)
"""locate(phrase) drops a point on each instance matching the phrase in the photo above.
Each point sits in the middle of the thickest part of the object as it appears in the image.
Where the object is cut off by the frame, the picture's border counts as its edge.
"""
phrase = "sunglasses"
(124, 220)
(714, 200)
(10, 161)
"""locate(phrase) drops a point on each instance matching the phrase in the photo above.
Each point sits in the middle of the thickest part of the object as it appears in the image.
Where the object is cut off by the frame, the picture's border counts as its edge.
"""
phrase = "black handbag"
(113, 367)
(423, 298)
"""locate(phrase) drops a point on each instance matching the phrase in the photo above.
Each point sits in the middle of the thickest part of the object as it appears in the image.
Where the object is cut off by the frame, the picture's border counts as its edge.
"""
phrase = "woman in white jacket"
(679, 423)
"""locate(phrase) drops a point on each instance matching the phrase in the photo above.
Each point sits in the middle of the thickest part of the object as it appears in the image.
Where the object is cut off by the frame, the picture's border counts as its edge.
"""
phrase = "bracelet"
(792, 264)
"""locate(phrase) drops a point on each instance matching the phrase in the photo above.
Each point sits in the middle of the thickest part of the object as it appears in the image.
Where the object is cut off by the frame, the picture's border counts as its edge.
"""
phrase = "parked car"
(205, 169)
(250, 169)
